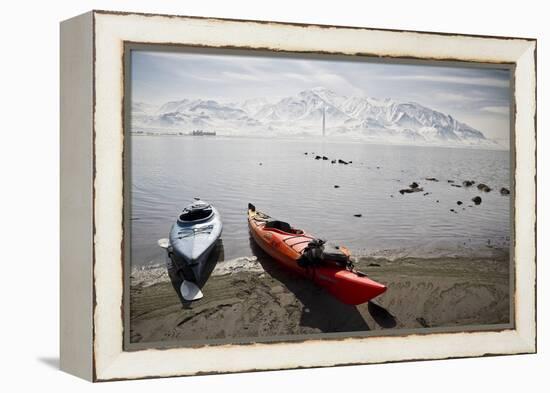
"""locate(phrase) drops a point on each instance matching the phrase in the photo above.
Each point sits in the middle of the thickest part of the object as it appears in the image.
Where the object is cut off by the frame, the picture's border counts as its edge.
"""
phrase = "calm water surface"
(276, 176)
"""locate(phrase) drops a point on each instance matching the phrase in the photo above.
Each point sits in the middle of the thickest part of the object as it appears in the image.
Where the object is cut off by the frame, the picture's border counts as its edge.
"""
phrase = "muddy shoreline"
(253, 297)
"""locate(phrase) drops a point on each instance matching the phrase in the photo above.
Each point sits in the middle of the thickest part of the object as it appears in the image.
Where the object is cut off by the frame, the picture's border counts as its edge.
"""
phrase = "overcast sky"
(479, 97)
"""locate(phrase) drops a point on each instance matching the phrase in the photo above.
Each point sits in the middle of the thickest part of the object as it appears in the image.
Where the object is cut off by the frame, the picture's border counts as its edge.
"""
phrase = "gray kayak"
(194, 235)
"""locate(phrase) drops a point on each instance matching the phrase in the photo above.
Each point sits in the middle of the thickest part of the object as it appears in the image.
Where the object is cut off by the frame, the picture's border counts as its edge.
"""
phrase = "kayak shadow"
(381, 316)
(320, 310)
(178, 275)
(217, 254)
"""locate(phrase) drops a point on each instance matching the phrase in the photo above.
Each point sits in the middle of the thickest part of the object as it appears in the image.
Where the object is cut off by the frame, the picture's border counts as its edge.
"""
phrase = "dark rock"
(437, 201)
(317, 157)
(333, 162)
(476, 200)
(456, 185)
(450, 181)
(325, 158)
(426, 193)
(336, 186)
(459, 203)
(340, 161)
(349, 162)
(357, 215)
(453, 210)
(260, 164)
(468, 183)
(483, 187)
(410, 190)
(305, 153)
(504, 191)
(374, 264)
(431, 179)
(413, 185)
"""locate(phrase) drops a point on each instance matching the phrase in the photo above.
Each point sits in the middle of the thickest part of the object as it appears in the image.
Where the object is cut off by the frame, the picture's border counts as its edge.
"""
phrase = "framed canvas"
(245, 195)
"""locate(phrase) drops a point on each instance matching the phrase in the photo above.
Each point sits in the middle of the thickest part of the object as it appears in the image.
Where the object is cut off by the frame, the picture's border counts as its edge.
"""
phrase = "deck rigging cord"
(195, 231)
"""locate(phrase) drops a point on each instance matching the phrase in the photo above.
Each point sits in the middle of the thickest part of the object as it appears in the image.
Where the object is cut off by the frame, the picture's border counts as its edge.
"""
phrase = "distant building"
(203, 133)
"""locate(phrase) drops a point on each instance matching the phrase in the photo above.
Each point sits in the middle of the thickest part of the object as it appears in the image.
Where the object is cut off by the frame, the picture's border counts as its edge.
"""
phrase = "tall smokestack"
(323, 121)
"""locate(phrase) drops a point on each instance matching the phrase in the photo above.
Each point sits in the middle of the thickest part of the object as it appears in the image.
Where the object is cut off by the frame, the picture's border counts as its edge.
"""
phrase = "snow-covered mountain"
(358, 117)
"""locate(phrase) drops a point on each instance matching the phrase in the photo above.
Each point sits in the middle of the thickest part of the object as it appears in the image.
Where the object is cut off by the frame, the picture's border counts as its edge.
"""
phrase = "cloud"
(499, 110)
(295, 76)
(456, 97)
(241, 76)
(461, 80)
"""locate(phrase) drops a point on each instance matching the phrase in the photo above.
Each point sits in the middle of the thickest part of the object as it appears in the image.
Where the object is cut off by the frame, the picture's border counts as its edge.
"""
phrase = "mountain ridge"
(360, 117)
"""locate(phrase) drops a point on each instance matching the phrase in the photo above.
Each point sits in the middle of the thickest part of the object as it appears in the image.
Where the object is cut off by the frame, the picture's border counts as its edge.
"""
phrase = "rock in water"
(325, 158)
(410, 190)
(476, 200)
(459, 203)
(357, 215)
(413, 185)
(468, 183)
(333, 162)
(483, 187)
(317, 157)
(450, 181)
(336, 186)
(504, 191)
(431, 179)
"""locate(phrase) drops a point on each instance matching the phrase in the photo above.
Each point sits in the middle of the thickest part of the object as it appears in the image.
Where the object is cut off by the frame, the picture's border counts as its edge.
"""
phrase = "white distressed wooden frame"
(92, 194)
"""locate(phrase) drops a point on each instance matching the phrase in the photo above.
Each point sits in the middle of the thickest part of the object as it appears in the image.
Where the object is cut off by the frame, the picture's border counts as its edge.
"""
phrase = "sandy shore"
(253, 297)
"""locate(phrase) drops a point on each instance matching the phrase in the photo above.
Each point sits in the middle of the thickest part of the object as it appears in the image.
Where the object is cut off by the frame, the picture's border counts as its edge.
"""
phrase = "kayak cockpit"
(282, 227)
(196, 212)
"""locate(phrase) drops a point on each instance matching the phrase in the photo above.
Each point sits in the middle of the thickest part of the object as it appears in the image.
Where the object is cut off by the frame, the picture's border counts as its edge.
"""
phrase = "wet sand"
(253, 297)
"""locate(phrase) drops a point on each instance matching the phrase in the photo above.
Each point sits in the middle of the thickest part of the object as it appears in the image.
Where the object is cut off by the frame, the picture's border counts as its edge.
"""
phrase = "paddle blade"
(190, 291)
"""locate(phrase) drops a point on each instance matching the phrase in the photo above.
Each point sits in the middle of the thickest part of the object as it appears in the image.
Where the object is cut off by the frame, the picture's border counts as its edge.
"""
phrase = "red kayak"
(306, 255)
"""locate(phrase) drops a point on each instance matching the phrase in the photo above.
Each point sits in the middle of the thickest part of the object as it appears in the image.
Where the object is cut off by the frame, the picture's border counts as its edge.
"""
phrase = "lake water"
(276, 176)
